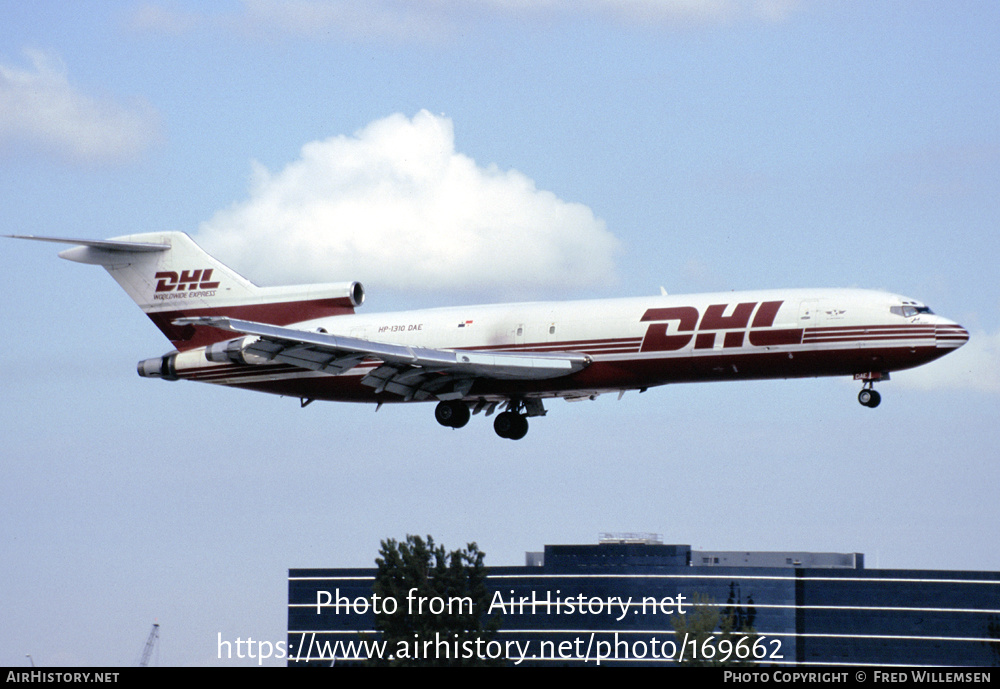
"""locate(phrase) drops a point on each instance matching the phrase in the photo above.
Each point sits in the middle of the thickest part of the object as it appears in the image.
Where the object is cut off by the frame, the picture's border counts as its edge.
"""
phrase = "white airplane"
(307, 342)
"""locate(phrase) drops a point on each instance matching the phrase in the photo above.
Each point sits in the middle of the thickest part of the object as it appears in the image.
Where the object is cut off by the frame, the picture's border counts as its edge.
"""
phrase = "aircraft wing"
(413, 372)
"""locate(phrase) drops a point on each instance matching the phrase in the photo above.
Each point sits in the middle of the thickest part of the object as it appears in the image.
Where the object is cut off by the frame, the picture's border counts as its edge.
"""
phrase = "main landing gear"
(452, 413)
(511, 424)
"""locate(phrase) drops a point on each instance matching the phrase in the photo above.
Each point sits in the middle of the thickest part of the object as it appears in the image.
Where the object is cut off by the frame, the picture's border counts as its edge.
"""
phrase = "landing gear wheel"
(869, 398)
(520, 427)
(452, 413)
(504, 423)
(510, 425)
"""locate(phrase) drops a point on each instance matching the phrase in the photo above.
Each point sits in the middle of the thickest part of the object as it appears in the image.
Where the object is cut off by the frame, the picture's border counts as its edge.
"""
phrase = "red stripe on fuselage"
(611, 375)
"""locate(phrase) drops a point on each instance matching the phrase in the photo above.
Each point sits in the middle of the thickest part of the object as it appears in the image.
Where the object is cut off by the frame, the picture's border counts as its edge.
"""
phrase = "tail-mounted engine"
(228, 352)
(164, 367)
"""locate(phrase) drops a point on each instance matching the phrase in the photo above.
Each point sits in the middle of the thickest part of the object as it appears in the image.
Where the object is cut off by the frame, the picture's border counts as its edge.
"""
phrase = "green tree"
(712, 638)
(441, 599)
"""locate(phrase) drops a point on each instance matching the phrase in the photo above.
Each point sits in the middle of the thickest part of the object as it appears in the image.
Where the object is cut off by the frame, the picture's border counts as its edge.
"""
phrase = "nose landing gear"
(868, 397)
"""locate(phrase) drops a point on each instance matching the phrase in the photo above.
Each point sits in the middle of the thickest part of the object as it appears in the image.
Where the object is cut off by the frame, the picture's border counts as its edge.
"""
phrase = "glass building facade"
(639, 604)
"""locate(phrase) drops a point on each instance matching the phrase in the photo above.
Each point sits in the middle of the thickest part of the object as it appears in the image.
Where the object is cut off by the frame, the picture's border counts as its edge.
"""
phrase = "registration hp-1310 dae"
(307, 341)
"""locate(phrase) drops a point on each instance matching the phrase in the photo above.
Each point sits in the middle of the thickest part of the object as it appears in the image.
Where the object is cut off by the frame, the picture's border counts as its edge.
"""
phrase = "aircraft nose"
(950, 336)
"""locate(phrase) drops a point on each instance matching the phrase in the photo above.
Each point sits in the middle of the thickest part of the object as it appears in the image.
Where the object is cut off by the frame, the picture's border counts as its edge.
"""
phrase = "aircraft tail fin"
(170, 277)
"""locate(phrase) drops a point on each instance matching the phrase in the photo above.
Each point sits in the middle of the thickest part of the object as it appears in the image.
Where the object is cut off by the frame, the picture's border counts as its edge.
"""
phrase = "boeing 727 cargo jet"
(308, 342)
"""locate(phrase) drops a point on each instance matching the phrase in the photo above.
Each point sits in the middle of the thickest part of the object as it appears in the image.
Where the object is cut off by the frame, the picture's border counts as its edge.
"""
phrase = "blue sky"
(630, 144)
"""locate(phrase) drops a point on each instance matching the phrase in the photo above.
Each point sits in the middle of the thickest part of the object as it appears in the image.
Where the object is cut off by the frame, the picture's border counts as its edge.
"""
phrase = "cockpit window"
(908, 310)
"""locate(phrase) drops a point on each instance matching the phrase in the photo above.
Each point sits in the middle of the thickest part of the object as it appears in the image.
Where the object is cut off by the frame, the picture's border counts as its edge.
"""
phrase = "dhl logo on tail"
(168, 280)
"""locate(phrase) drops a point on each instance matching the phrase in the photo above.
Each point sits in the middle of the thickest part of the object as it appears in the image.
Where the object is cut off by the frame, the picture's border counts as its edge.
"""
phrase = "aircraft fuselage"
(633, 343)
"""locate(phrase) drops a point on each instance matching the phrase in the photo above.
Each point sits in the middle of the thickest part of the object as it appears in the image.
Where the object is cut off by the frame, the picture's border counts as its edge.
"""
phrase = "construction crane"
(154, 634)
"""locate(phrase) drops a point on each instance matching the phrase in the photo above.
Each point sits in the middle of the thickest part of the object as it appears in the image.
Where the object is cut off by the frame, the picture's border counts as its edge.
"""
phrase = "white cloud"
(437, 19)
(382, 18)
(690, 11)
(157, 18)
(40, 109)
(976, 366)
(396, 207)
(313, 19)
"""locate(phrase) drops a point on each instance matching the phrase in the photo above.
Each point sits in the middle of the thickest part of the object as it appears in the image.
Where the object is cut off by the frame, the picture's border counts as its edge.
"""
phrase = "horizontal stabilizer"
(103, 244)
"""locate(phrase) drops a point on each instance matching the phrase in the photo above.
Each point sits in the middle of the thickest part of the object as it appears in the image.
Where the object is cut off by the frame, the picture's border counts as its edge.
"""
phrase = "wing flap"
(412, 372)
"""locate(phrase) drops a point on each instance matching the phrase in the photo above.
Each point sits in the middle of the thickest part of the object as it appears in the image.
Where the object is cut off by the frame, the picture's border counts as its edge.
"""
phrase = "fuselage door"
(810, 315)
